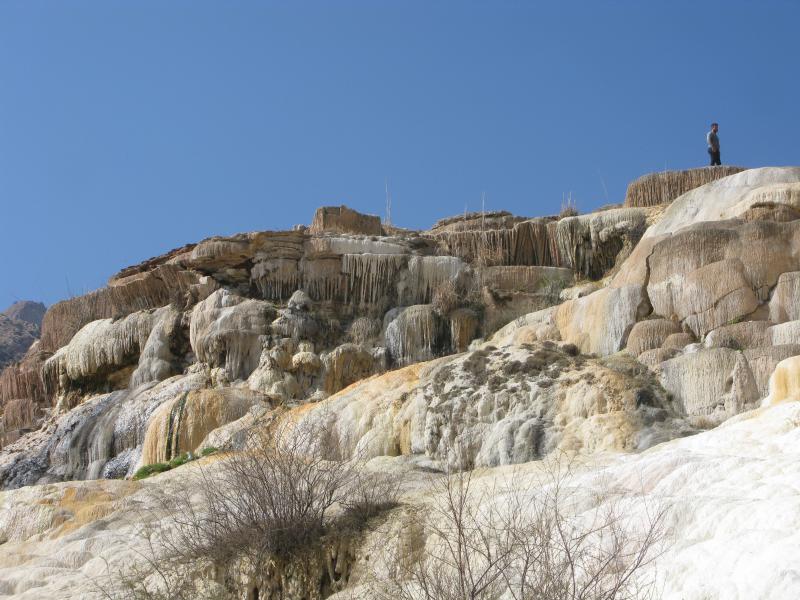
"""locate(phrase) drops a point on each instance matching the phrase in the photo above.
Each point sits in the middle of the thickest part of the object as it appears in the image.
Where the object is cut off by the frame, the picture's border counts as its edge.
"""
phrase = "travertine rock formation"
(340, 219)
(660, 188)
(504, 405)
(489, 340)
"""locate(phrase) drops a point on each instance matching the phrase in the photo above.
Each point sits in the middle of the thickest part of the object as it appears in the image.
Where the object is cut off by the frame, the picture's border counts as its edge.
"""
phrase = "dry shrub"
(261, 510)
(538, 543)
(568, 209)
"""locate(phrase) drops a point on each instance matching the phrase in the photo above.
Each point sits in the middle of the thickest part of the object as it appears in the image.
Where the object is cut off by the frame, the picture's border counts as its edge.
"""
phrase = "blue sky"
(130, 128)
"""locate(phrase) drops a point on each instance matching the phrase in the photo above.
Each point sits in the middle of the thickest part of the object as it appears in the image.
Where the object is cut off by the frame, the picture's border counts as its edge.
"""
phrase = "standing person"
(713, 144)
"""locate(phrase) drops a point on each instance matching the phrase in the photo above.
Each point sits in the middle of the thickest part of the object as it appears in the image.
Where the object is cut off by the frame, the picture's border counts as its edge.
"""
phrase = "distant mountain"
(20, 326)
(26, 310)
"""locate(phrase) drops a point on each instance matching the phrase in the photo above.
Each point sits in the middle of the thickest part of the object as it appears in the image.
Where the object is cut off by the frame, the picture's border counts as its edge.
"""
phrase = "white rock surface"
(226, 331)
(729, 197)
(732, 493)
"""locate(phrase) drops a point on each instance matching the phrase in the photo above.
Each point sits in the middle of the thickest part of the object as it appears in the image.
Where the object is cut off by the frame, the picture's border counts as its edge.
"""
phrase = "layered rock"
(660, 188)
(123, 296)
(340, 219)
(587, 244)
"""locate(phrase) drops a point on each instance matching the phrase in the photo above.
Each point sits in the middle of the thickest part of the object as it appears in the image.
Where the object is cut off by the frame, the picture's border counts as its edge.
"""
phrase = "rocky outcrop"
(730, 198)
(181, 425)
(101, 356)
(340, 219)
(650, 334)
(505, 405)
(101, 437)
(296, 316)
(226, 331)
(660, 188)
(709, 275)
(587, 244)
(714, 384)
(123, 296)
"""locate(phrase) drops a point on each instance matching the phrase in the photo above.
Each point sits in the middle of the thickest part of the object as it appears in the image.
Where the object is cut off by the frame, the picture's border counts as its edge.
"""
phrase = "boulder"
(650, 334)
(763, 361)
(678, 340)
(713, 383)
(345, 365)
(600, 322)
(417, 333)
(738, 336)
(653, 358)
(785, 333)
(785, 302)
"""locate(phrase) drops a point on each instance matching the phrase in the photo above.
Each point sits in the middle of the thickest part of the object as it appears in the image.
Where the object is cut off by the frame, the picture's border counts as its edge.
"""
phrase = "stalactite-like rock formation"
(425, 275)
(157, 360)
(588, 244)
(226, 331)
(659, 188)
(141, 291)
(464, 326)
(24, 380)
(416, 334)
(99, 350)
(372, 278)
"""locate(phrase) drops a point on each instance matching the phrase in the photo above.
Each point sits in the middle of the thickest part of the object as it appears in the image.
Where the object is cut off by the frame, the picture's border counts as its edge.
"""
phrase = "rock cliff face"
(488, 340)
(20, 326)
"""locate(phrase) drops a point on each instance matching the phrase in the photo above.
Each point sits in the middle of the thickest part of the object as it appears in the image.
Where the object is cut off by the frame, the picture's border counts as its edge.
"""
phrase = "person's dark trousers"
(715, 160)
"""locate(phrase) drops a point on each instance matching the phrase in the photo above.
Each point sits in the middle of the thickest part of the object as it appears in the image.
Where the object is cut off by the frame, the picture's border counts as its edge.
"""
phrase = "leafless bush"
(268, 501)
(524, 543)
(568, 208)
(259, 510)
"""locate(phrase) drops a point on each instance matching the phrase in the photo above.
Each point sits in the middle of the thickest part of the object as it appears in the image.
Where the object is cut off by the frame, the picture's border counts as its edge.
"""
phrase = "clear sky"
(130, 128)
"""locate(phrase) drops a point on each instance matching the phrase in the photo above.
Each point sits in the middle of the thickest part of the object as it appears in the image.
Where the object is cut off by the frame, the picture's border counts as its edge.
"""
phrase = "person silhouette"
(713, 144)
